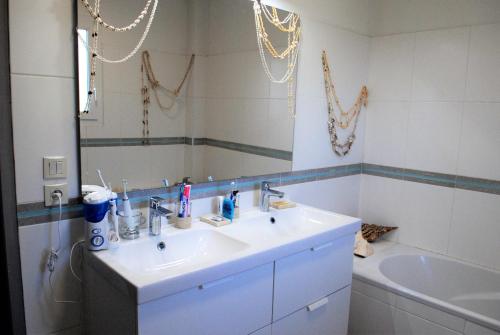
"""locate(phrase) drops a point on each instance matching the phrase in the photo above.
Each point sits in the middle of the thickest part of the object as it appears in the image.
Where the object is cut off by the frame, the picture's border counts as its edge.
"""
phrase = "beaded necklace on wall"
(93, 48)
(149, 80)
(290, 25)
(346, 118)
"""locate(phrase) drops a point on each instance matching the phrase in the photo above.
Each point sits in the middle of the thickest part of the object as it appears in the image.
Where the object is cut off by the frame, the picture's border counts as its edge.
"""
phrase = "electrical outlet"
(49, 191)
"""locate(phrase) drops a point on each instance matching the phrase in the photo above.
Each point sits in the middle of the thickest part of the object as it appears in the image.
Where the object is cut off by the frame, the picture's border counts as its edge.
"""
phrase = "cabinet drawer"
(326, 316)
(306, 277)
(233, 305)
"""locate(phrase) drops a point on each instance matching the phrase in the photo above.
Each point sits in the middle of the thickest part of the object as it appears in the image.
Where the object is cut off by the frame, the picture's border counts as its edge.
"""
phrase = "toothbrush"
(127, 209)
(101, 178)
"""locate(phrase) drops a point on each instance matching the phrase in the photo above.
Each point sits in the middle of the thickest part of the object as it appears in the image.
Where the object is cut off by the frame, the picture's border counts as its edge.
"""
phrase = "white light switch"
(54, 167)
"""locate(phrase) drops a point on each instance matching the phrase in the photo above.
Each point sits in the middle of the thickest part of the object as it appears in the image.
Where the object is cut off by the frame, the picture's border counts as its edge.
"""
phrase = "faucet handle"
(265, 185)
(155, 203)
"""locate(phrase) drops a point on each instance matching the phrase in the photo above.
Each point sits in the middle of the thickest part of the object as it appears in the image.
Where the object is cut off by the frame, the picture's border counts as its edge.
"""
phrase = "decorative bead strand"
(134, 51)
(96, 16)
(290, 53)
(293, 56)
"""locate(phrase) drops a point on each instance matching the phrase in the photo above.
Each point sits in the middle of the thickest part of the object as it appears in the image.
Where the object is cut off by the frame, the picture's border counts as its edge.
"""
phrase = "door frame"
(10, 260)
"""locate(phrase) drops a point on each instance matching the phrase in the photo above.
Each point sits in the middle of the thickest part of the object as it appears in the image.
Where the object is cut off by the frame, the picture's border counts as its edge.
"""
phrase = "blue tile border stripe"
(434, 178)
(246, 148)
(34, 213)
(250, 149)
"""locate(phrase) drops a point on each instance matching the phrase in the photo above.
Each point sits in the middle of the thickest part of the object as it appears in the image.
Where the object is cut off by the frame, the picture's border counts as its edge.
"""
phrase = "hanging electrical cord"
(54, 256)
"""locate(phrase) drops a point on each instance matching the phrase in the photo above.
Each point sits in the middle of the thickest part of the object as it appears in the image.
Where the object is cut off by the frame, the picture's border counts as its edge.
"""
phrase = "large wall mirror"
(227, 121)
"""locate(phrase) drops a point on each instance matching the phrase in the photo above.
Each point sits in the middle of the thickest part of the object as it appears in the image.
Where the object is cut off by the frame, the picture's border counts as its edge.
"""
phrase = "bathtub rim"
(367, 270)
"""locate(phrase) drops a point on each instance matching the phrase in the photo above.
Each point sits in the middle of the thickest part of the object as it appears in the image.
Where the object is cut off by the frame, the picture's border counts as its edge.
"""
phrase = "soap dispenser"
(235, 197)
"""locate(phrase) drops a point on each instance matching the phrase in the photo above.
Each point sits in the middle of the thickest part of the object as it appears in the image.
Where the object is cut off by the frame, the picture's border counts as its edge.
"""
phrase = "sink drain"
(273, 220)
(161, 246)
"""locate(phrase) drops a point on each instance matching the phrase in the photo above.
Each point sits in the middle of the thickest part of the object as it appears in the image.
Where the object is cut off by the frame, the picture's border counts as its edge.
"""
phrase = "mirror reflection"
(193, 104)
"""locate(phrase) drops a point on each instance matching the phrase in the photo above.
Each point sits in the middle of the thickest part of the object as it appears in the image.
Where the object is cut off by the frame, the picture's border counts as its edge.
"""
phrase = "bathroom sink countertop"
(204, 253)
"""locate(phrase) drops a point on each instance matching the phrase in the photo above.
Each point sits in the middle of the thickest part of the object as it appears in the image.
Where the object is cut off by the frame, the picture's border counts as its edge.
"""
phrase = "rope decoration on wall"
(149, 81)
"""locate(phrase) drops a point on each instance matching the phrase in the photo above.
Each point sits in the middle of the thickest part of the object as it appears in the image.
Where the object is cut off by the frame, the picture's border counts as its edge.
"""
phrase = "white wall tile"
(280, 125)
(41, 28)
(109, 125)
(43, 111)
(438, 14)
(370, 316)
(431, 314)
(381, 202)
(433, 136)
(391, 67)
(167, 162)
(106, 159)
(254, 164)
(403, 16)
(480, 139)
(352, 15)
(338, 195)
(312, 147)
(483, 82)
(386, 133)
(379, 319)
(136, 166)
(392, 17)
(482, 11)
(440, 65)
(43, 315)
(226, 70)
(426, 216)
(222, 163)
(475, 228)
(474, 329)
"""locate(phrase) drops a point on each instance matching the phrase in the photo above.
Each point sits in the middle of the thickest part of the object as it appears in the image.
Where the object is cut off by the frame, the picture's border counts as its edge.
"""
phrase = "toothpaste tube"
(184, 201)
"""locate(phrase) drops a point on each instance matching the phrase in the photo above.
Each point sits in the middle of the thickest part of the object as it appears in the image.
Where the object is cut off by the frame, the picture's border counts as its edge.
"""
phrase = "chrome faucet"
(156, 212)
(265, 193)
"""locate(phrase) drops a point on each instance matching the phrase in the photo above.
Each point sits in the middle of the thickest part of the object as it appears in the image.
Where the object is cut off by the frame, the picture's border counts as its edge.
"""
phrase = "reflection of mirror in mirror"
(227, 120)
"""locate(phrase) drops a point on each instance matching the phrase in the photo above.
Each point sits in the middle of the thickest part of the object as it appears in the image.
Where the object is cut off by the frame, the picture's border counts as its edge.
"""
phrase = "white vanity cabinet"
(327, 316)
(304, 293)
(308, 276)
(233, 305)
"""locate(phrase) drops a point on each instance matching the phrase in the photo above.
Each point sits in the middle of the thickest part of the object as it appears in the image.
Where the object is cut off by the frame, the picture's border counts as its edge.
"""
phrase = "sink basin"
(181, 250)
(286, 224)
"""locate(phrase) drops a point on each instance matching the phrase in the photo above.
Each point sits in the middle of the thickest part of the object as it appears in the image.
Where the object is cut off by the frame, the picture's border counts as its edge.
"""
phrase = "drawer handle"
(215, 283)
(321, 247)
(314, 306)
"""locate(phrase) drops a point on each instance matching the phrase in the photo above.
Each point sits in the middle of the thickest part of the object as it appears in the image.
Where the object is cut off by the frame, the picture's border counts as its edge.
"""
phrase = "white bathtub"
(404, 290)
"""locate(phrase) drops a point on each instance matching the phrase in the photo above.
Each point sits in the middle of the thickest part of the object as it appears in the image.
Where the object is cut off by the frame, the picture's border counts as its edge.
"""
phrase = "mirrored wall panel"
(194, 103)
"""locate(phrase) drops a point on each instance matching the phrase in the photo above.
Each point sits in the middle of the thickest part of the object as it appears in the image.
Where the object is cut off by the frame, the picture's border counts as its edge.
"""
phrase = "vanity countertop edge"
(146, 292)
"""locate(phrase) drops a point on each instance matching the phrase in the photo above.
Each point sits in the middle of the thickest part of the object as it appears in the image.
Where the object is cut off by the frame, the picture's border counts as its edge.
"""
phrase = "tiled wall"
(44, 124)
(435, 106)
(119, 98)
(237, 103)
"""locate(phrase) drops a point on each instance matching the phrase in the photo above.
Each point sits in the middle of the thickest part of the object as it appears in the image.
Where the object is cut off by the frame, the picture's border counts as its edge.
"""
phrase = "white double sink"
(205, 254)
